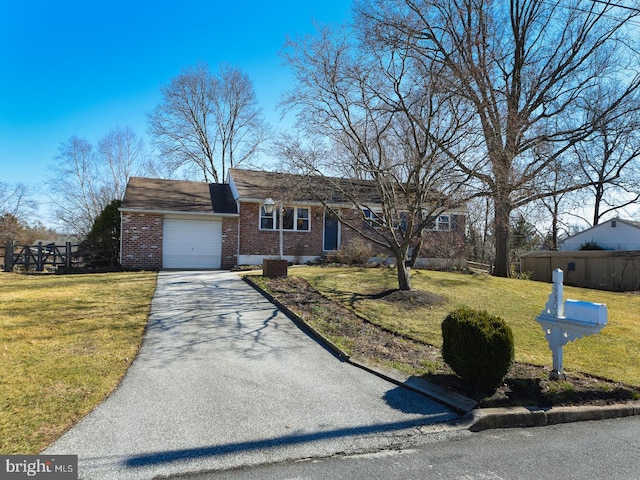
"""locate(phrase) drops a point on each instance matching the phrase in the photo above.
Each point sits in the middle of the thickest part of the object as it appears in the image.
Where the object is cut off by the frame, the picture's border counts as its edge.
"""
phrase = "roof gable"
(614, 234)
(606, 225)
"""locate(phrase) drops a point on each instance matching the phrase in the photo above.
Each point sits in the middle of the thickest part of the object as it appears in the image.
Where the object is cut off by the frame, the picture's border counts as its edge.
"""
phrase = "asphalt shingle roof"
(154, 194)
(259, 185)
(177, 196)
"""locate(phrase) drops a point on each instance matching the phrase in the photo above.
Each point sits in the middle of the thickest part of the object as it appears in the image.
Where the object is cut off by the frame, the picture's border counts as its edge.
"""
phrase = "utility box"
(273, 268)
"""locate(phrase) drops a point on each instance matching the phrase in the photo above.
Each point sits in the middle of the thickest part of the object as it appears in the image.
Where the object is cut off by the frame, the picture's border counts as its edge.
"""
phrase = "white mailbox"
(563, 323)
(587, 312)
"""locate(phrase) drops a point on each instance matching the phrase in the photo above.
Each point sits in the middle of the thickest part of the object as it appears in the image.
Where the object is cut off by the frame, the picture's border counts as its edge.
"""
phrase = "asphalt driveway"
(224, 379)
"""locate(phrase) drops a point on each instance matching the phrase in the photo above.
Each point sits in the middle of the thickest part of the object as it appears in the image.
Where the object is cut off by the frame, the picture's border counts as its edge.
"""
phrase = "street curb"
(513, 417)
(474, 419)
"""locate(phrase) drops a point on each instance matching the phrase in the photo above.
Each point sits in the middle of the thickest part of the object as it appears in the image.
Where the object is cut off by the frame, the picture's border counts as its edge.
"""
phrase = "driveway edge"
(474, 419)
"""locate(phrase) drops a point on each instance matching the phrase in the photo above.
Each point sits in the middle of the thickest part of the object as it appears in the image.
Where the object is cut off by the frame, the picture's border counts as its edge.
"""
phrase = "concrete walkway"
(223, 379)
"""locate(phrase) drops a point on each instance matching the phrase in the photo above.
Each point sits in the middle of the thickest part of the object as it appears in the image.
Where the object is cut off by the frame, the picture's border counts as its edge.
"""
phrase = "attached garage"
(178, 224)
(192, 244)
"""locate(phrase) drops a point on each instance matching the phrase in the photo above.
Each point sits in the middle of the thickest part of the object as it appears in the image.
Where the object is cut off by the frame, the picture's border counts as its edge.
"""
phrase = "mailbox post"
(571, 321)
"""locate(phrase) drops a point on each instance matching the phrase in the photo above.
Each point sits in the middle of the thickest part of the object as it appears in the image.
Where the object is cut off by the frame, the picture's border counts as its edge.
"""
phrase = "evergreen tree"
(102, 245)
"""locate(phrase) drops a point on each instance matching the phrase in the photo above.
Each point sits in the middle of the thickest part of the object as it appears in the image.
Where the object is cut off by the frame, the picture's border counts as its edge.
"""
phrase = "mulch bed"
(526, 385)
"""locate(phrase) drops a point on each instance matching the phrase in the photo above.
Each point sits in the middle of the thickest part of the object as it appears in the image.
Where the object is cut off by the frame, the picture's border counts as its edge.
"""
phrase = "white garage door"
(191, 243)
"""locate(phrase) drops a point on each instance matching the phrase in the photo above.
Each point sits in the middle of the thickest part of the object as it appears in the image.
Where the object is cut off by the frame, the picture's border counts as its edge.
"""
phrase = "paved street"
(224, 379)
(600, 450)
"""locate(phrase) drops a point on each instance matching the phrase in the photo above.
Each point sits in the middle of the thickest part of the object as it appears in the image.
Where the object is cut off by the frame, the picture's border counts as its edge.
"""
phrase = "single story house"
(616, 234)
(195, 225)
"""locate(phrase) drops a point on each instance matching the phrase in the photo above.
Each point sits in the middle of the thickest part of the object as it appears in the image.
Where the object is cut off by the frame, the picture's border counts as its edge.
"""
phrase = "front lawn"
(613, 354)
(66, 342)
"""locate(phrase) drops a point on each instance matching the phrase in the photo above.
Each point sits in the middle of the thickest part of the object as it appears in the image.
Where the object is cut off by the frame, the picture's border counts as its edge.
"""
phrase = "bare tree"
(609, 157)
(18, 231)
(121, 155)
(84, 180)
(559, 205)
(15, 199)
(525, 68)
(207, 123)
(15, 206)
(378, 118)
(240, 125)
(480, 231)
(74, 186)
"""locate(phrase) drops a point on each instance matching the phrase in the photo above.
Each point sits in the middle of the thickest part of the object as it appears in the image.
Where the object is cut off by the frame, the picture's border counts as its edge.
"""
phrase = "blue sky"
(83, 67)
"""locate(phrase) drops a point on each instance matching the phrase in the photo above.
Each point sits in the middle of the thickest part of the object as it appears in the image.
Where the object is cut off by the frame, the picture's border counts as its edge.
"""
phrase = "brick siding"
(437, 244)
(254, 241)
(142, 238)
(141, 241)
(229, 242)
(447, 244)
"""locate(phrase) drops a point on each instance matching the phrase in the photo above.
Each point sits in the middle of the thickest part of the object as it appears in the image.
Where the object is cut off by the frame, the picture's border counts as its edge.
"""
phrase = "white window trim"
(274, 215)
(370, 214)
(440, 223)
(381, 224)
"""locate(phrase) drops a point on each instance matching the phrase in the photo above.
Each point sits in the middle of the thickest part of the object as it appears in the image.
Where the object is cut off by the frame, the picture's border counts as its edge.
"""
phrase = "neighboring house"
(184, 224)
(616, 234)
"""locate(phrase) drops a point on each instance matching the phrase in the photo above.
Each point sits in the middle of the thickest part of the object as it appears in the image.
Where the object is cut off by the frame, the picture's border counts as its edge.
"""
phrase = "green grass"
(66, 341)
(613, 354)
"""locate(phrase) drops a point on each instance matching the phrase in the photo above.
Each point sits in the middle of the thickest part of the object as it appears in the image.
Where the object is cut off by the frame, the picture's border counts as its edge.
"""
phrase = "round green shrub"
(477, 346)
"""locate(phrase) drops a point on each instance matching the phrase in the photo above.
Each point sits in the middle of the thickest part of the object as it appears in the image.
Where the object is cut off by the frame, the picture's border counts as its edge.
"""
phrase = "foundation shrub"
(478, 347)
(357, 252)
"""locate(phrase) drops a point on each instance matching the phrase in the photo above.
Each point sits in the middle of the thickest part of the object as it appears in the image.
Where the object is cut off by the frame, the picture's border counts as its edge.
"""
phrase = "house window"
(302, 220)
(377, 220)
(267, 220)
(372, 218)
(368, 216)
(443, 223)
(294, 218)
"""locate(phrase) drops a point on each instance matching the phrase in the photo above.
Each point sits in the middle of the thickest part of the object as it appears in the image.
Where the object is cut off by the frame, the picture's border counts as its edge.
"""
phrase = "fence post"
(67, 258)
(8, 257)
(39, 265)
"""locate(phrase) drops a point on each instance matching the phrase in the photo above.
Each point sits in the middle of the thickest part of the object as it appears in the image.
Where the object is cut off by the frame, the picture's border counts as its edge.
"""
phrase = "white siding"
(621, 237)
(191, 244)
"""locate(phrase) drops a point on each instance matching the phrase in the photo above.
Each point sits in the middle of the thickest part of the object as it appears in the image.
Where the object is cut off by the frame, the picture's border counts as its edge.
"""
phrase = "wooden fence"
(41, 256)
(481, 267)
(616, 270)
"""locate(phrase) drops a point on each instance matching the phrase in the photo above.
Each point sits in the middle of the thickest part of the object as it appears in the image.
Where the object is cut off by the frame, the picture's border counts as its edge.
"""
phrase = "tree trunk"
(404, 273)
(502, 266)
(596, 204)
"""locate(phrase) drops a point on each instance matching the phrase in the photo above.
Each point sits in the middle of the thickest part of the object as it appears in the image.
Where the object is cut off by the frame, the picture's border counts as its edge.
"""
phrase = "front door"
(331, 231)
